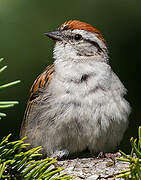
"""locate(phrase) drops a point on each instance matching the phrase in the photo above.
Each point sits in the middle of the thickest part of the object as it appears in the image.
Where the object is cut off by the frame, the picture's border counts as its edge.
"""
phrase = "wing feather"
(41, 83)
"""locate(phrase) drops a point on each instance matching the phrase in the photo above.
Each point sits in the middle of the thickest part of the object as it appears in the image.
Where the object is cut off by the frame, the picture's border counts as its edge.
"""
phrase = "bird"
(78, 102)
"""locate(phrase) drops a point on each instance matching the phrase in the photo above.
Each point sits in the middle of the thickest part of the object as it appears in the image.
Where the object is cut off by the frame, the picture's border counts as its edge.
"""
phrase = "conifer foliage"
(17, 163)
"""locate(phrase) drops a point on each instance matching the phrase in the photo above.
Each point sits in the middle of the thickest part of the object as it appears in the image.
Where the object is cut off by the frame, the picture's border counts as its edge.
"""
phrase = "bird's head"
(78, 41)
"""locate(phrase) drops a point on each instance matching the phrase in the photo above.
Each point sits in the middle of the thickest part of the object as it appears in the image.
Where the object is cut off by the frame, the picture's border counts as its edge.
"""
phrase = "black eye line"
(88, 40)
(95, 44)
(71, 37)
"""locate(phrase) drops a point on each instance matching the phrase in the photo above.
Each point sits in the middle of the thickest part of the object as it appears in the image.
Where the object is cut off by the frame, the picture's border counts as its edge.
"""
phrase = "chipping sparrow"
(77, 103)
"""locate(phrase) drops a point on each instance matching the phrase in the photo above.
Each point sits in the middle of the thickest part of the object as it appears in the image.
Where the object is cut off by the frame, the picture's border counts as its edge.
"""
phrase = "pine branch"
(18, 163)
(134, 159)
(6, 104)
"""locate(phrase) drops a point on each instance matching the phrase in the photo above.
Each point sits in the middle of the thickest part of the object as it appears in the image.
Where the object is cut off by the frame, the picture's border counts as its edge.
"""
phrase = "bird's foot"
(109, 155)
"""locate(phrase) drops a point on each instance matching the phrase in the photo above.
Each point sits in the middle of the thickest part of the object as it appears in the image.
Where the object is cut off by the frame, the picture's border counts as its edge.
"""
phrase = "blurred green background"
(27, 51)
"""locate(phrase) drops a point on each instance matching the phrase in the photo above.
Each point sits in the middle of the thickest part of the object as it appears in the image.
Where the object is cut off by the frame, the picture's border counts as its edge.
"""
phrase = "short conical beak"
(55, 35)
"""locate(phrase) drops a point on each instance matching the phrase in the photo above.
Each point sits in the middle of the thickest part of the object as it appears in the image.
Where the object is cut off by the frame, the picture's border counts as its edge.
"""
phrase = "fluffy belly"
(94, 122)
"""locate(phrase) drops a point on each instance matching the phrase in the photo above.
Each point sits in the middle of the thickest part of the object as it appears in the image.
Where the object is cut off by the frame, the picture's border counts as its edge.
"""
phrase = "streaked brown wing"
(39, 84)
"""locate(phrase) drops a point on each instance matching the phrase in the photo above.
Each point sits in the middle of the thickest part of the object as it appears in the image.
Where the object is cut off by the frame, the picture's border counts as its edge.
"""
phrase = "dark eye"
(77, 37)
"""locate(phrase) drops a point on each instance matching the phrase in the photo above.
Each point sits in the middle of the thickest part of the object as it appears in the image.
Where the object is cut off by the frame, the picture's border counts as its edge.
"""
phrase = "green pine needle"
(10, 84)
(2, 114)
(6, 106)
(8, 102)
(3, 68)
(134, 159)
(1, 59)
